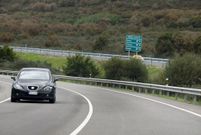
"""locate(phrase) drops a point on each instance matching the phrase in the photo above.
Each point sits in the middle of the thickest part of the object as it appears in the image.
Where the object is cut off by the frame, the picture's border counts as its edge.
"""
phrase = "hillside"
(95, 25)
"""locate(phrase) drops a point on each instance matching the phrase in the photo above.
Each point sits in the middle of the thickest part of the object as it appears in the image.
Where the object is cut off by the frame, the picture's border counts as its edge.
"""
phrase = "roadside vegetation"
(133, 70)
(181, 71)
(185, 71)
(80, 66)
(101, 25)
(170, 45)
(9, 60)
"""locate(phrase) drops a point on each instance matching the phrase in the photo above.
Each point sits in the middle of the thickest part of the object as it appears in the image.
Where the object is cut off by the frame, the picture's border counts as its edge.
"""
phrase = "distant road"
(105, 112)
(99, 56)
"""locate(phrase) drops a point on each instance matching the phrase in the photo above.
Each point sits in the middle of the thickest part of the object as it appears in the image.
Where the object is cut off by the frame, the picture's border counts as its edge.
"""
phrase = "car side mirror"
(13, 78)
(56, 79)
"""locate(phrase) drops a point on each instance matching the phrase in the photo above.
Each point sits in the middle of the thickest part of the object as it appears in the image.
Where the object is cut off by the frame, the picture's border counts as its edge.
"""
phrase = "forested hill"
(143, 4)
(96, 25)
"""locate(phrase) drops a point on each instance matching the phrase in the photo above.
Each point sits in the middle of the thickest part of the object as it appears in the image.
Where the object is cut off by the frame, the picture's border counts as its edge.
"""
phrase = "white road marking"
(156, 101)
(7, 98)
(86, 120)
(88, 117)
(4, 100)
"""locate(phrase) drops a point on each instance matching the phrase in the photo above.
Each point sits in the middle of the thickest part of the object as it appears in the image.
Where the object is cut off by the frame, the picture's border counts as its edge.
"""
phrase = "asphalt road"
(89, 110)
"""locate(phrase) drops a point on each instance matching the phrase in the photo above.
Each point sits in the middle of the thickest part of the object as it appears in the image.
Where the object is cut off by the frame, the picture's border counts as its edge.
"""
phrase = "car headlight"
(17, 86)
(48, 88)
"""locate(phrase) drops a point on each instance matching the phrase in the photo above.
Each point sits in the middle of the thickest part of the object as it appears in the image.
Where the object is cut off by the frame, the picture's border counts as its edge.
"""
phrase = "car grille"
(32, 87)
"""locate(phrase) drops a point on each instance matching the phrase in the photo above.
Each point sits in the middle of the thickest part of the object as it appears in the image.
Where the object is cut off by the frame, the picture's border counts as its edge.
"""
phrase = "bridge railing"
(136, 86)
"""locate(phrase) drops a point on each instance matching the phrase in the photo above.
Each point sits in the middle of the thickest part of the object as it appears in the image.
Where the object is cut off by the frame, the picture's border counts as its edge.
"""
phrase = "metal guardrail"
(141, 87)
(101, 56)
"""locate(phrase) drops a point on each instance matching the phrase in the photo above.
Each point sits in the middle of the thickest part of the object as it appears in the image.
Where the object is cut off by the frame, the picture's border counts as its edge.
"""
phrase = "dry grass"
(43, 7)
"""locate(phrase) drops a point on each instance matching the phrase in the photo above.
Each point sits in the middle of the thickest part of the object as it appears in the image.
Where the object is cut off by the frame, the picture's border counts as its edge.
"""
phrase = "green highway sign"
(133, 43)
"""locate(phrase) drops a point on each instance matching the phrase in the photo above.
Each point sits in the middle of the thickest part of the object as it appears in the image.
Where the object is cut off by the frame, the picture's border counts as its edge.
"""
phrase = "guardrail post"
(140, 90)
(194, 99)
(168, 93)
(146, 91)
(160, 92)
(185, 97)
(176, 96)
(153, 91)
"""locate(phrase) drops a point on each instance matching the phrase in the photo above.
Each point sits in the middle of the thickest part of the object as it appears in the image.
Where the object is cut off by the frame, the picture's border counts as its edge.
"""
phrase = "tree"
(80, 66)
(7, 54)
(184, 70)
(165, 46)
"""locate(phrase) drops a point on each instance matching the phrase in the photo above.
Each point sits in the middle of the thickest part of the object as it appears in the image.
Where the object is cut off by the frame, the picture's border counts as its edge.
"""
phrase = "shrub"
(31, 27)
(6, 37)
(67, 3)
(197, 45)
(114, 68)
(10, 24)
(7, 54)
(182, 43)
(61, 27)
(135, 70)
(90, 28)
(132, 69)
(146, 21)
(53, 41)
(95, 18)
(15, 7)
(43, 7)
(165, 46)
(101, 42)
(196, 22)
(80, 66)
(185, 70)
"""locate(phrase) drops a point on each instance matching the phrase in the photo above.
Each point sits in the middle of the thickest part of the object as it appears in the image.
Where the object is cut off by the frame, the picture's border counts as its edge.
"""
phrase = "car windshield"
(34, 75)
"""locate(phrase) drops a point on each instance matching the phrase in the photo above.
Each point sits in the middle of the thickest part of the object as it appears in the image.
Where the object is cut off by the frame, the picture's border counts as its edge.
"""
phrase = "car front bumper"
(41, 95)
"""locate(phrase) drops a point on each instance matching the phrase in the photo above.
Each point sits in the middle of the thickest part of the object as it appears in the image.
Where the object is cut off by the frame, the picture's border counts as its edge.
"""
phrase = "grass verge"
(56, 62)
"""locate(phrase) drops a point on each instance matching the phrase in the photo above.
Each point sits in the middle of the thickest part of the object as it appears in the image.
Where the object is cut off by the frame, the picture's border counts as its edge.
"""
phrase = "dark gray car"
(34, 84)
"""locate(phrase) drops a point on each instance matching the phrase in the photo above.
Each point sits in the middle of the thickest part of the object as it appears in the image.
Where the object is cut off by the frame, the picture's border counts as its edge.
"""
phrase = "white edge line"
(156, 101)
(4, 100)
(88, 117)
(84, 123)
(7, 98)
(86, 120)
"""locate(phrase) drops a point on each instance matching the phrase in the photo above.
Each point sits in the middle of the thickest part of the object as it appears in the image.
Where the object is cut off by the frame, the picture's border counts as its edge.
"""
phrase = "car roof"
(35, 69)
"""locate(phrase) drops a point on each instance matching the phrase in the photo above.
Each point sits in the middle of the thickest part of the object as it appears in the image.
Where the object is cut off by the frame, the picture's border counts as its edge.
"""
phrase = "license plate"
(33, 93)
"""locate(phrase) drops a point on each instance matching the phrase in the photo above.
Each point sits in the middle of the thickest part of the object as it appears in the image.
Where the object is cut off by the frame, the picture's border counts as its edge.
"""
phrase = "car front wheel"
(53, 100)
(13, 99)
